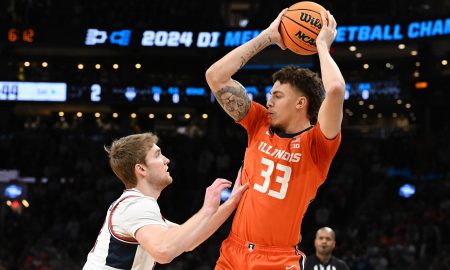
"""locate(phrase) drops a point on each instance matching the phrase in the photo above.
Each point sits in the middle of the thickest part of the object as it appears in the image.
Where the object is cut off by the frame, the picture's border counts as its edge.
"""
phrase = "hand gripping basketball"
(300, 25)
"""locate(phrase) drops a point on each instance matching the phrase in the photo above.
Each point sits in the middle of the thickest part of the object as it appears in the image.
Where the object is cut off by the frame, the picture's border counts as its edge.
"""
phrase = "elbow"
(336, 89)
(212, 77)
(164, 255)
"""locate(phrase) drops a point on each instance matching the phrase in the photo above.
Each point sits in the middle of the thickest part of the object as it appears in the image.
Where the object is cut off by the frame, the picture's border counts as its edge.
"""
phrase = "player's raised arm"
(230, 94)
(330, 112)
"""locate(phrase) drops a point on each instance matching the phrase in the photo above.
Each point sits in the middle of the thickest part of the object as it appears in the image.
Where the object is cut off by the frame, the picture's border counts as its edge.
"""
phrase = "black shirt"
(314, 263)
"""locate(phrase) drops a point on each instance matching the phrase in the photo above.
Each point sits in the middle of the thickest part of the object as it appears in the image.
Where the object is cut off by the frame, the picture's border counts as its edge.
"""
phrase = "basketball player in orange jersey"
(291, 143)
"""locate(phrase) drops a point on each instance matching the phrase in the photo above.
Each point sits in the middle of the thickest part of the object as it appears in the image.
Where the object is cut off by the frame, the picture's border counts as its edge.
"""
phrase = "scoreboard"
(159, 94)
(211, 38)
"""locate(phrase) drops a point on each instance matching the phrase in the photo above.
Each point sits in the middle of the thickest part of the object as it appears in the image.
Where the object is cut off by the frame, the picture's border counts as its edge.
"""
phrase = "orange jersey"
(284, 175)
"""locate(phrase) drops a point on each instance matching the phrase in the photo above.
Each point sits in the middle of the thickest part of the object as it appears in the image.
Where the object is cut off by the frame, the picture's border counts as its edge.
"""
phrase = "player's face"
(157, 165)
(282, 104)
(324, 242)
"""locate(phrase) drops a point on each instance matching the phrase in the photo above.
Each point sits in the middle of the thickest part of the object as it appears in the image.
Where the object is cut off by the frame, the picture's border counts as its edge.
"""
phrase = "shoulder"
(135, 205)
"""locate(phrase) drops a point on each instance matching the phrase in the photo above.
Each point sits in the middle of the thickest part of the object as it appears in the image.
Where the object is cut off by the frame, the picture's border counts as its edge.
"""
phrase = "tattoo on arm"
(256, 49)
(234, 100)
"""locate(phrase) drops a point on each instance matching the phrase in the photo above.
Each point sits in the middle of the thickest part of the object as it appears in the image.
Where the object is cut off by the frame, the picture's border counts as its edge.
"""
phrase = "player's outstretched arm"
(225, 210)
(330, 112)
(165, 244)
(230, 94)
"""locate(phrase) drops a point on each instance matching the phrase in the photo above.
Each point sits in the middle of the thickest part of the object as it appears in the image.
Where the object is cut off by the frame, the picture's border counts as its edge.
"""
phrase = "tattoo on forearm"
(256, 49)
(234, 100)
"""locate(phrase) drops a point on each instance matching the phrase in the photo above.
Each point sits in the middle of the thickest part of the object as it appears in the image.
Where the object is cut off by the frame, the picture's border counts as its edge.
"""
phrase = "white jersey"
(116, 246)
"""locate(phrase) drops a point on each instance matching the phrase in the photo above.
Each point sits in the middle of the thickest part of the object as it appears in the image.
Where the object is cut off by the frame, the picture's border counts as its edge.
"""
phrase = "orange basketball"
(300, 25)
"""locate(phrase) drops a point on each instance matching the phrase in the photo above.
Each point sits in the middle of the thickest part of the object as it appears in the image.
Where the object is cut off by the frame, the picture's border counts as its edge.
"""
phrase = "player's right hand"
(212, 195)
(273, 31)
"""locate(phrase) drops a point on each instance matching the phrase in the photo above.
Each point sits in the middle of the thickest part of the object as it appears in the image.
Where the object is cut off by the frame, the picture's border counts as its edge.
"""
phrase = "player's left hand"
(212, 195)
(238, 189)
(328, 32)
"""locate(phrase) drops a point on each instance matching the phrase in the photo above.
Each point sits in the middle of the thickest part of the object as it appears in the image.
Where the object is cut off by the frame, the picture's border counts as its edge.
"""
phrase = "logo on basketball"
(300, 25)
(314, 22)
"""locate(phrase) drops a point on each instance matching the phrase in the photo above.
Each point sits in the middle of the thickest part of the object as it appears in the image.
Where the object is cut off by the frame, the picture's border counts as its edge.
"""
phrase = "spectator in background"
(323, 259)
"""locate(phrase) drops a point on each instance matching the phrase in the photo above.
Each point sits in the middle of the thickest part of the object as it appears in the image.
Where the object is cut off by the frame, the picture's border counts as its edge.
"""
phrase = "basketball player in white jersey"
(135, 235)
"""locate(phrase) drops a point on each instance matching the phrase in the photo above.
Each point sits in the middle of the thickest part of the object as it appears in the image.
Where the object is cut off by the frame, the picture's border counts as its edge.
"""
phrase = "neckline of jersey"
(290, 135)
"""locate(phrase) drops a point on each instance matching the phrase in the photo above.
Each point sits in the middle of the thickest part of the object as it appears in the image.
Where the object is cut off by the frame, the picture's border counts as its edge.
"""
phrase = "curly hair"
(305, 81)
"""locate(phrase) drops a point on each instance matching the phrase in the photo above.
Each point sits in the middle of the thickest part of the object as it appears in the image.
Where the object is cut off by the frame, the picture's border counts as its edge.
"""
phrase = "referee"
(324, 243)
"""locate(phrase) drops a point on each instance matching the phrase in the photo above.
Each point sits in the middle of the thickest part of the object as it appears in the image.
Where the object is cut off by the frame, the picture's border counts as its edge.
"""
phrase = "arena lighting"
(15, 204)
(371, 106)
(408, 106)
(366, 66)
(97, 115)
(115, 66)
(187, 116)
(133, 115)
(80, 66)
(44, 64)
(175, 98)
(151, 116)
(399, 101)
(394, 115)
(379, 115)
(25, 203)
(115, 115)
(138, 66)
(79, 114)
(444, 62)
(26, 63)
(401, 46)
(417, 64)
(13, 191)
(169, 116)
(358, 55)
(98, 66)
(416, 74)
(205, 116)
(414, 53)
(421, 85)
(361, 102)
(407, 190)
(225, 194)
(352, 48)
(61, 114)
(364, 115)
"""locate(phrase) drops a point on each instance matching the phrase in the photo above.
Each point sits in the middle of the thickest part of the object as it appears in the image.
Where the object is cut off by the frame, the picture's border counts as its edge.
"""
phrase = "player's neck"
(296, 125)
(147, 190)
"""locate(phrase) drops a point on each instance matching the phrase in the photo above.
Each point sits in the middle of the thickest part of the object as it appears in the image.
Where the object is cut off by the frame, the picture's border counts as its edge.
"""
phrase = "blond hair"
(128, 151)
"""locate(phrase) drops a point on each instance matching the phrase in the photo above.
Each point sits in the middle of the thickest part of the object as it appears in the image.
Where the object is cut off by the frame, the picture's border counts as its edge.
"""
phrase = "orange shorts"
(238, 254)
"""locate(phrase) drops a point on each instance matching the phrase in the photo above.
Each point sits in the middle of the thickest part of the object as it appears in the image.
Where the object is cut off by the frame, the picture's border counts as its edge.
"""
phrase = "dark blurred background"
(132, 66)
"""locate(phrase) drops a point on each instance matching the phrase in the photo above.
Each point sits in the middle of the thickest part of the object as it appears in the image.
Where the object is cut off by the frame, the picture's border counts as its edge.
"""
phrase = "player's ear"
(139, 169)
(301, 102)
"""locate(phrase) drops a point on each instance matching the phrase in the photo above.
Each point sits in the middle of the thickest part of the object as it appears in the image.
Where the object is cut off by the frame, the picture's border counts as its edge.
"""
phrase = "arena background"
(119, 67)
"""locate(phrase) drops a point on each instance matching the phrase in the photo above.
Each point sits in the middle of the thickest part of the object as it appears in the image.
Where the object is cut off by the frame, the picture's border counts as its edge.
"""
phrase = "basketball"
(299, 27)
